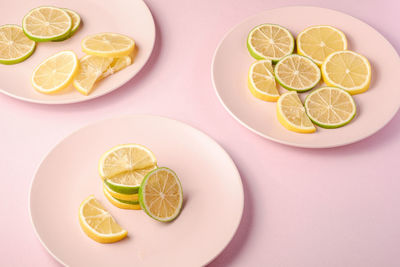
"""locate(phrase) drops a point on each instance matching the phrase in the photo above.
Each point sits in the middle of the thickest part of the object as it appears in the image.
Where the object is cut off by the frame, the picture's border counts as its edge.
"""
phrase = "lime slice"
(108, 45)
(347, 70)
(270, 41)
(55, 73)
(98, 223)
(297, 73)
(261, 81)
(119, 196)
(160, 195)
(91, 68)
(15, 47)
(330, 107)
(292, 115)
(122, 204)
(76, 22)
(318, 42)
(128, 182)
(43, 24)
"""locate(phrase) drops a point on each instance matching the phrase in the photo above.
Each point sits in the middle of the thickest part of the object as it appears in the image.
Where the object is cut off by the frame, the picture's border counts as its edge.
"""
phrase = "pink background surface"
(330, 207)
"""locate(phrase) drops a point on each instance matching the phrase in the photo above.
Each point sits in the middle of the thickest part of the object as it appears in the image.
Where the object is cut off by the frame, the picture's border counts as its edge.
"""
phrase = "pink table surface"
(329, 207)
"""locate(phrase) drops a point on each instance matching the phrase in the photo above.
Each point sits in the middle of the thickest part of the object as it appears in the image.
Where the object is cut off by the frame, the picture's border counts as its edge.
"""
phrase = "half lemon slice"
(98, 223)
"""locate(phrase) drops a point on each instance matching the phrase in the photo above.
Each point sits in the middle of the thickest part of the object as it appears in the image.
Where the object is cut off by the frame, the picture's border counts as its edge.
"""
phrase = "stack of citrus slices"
(132, 180)
(41, 24)
(321, 52)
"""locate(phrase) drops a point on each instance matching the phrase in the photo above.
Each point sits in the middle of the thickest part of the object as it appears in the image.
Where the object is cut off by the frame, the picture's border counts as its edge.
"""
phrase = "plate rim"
(130, 116)
(91, 97)
(287, 143)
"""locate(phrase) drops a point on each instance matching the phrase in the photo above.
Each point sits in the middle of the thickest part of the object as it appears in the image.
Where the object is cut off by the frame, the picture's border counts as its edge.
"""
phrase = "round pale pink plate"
(213, 196)
(376, 107)
(132, 18)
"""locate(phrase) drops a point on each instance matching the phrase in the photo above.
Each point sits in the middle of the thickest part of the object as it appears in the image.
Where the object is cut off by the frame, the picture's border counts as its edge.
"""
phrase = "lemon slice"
(91, 68)
(98, 223)
(119, 196)
(122, 204)
(124, 166)
(160, 195)
(270, 41)
(47, 23)
(347, 70)
(297, 73)
(116, 65)
(261, 81)
(15, 47)
(108, 45)
(318, 42)
(330, 107)
(55, 73)
(292, 115)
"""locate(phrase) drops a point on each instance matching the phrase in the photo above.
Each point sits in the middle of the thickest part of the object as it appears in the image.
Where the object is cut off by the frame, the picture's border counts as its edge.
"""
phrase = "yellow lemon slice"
(347, 70)
(98, 223)
(318, 42)
(292, 115)
(108, 45)
(261, 81)
(55, 73)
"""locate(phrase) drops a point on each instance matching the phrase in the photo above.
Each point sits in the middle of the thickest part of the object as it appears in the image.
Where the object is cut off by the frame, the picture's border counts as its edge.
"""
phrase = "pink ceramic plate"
(132, 18)
(213, 196)
(375, 107)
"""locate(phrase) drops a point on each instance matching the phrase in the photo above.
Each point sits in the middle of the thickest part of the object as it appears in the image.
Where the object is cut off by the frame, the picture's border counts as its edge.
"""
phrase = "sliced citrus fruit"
(160, 195)
(98, 223)
(108, 45)
(123, 167)
(76, 21)
(318, 42)
(47, 23)
(270, 41)
(55, 73)
(297, 73)
(119, 196)
(15, 47)
(330, 107)
(261, 81)
(116, 65)
(122, 204)
(292, 115)
(347, 70)
(91, 68)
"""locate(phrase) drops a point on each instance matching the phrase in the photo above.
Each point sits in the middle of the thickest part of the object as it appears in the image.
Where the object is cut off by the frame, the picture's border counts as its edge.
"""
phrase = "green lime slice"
(270, 41)
(15, 47)
(160, 195)
(46, 23)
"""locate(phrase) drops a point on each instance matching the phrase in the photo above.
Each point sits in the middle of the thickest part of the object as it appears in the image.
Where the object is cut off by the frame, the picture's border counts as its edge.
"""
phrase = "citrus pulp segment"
(318, 42)
(330, 107)
(116, 65)
(297, 73)
(15, 47)
(160, 195)
(292, 115)
(98, 223)
(270, 41)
